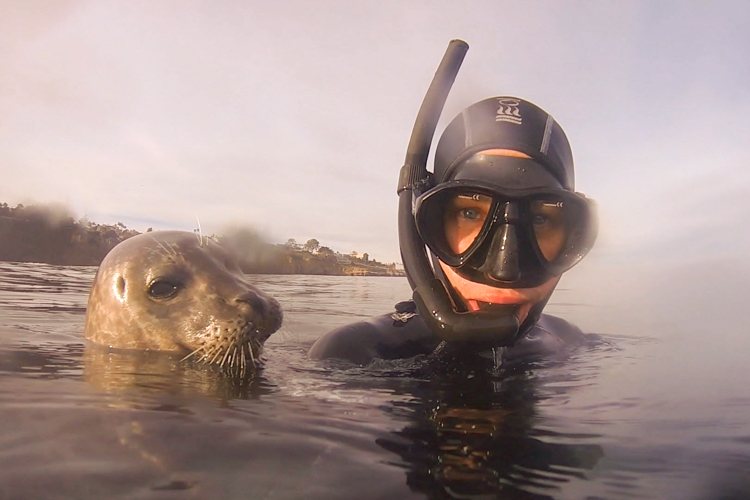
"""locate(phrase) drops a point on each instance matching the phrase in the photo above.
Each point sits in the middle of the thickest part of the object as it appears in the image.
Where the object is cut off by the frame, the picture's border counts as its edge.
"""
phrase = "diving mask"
(509, 237)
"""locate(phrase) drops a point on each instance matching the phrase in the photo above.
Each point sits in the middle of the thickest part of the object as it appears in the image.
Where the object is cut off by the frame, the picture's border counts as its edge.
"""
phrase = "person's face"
(463, 220)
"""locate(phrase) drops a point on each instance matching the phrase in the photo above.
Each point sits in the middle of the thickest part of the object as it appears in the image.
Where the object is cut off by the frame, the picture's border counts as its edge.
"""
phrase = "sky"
(293, 117)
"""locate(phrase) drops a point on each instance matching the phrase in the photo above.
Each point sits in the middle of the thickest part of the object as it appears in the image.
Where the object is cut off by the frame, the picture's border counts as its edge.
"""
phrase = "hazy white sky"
(293, 117)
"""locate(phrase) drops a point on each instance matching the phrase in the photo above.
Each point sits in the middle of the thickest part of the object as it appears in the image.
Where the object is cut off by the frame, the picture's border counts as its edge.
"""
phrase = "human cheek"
(461, 233)
(459, 239)
(551, 245)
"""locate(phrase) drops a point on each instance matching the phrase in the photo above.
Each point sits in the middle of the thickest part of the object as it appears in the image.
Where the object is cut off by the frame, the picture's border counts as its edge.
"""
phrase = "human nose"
(502, 258)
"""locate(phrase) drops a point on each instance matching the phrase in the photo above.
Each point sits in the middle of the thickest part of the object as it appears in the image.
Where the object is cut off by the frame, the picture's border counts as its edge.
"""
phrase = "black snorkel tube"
(429, 293)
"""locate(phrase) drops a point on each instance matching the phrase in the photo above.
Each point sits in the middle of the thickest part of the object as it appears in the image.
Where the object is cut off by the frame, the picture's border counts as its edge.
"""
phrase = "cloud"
(295, 118)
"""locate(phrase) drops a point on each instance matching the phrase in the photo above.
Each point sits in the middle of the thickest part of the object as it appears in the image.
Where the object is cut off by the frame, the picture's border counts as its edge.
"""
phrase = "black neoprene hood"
(505, 123)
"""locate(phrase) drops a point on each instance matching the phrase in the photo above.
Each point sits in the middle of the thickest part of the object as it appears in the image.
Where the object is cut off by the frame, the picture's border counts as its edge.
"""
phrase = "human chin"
(473, 293)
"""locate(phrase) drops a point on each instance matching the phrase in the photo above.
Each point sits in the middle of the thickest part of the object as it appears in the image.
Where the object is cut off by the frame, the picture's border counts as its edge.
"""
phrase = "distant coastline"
(50, 234)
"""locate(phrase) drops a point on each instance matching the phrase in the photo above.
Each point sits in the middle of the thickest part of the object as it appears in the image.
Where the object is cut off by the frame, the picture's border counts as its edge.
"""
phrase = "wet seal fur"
(177, 291)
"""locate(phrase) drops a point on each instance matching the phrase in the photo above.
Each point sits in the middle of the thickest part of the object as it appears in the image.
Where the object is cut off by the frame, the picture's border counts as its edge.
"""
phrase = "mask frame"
(483, 260)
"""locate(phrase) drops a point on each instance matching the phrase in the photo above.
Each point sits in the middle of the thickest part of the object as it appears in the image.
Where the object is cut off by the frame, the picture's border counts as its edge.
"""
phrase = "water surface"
(647, 409)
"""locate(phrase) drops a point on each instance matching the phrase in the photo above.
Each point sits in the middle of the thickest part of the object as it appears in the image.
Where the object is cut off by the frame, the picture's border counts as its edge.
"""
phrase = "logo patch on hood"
(507, 111)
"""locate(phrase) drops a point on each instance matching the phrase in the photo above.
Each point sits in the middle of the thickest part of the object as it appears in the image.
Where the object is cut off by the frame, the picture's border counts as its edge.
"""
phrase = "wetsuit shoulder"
(390, 336)
(550, 335)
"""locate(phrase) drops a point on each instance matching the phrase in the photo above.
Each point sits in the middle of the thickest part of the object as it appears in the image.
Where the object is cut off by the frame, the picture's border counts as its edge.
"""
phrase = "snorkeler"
(500, 221)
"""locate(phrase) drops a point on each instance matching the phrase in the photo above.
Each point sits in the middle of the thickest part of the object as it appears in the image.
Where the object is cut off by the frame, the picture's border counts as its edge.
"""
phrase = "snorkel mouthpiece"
(488, 328)
(496, 327)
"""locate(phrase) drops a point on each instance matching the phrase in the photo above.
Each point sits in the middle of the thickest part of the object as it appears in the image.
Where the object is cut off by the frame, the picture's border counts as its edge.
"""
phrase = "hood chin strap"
(533, 316)
(440, 274)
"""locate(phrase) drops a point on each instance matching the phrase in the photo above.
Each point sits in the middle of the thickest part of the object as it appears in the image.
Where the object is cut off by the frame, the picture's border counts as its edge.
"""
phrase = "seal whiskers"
(226, 356)
(234, 351)
(193, 353)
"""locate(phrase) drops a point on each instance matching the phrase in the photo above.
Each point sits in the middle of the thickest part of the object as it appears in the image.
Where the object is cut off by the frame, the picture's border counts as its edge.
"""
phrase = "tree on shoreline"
(312, 245)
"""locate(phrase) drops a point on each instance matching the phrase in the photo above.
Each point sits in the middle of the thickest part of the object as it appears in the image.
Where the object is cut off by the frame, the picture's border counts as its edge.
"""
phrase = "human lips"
(478, 296)
(471, 290)
(482, 300)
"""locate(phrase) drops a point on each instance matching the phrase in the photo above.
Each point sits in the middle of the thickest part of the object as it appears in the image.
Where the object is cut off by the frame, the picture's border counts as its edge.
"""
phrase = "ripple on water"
(87, 422)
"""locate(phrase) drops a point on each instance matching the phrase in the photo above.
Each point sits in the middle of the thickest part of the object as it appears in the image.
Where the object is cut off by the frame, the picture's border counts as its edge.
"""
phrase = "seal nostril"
(254, 301)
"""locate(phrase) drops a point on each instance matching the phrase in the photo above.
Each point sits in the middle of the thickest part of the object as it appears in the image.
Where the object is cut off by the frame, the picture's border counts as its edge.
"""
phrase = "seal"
(180, 292)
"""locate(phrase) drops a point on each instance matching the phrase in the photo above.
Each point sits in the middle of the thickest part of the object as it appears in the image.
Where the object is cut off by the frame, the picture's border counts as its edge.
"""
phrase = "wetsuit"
(403, 334)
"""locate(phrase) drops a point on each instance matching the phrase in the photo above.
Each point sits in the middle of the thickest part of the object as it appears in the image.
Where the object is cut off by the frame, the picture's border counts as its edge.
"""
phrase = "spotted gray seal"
(177, 291)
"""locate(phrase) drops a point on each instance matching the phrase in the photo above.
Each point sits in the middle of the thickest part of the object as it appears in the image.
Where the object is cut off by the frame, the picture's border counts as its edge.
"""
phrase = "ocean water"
(655, 405)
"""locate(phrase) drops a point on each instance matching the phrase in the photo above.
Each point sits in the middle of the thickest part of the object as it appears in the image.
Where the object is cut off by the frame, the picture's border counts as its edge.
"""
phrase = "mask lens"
(550, 222)
(463, 220)
(452, 222)
(460, 225)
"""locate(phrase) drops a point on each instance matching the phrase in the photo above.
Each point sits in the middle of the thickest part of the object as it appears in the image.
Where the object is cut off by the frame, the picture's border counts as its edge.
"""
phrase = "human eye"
(470, 208)
(472, 214)
(540, 220)
(546, 214)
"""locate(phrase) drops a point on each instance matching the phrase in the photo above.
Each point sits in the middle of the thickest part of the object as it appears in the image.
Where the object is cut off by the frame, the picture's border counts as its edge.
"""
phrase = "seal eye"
(163, 289)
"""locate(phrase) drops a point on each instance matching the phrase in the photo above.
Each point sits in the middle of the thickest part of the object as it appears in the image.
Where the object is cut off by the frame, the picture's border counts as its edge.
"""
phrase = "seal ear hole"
(120, 287)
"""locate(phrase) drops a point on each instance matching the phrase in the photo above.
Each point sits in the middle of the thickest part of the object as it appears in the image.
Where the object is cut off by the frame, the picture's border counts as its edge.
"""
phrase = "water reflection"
(145, 374)
(44, 361)
(153, 374)
(473, 431)
(652, 414)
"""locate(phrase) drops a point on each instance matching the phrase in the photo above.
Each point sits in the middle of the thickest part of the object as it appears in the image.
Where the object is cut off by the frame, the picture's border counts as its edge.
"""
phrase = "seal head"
(176, 291)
